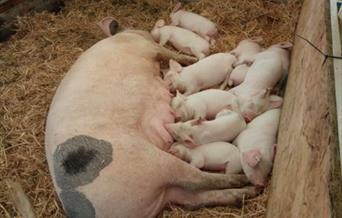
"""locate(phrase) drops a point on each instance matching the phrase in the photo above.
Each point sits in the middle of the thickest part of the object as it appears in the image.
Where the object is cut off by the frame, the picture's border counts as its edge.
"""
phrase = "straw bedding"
(35, 60)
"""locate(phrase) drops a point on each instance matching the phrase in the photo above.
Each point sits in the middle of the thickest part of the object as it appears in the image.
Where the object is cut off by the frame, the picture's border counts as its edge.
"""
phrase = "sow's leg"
(193, 188)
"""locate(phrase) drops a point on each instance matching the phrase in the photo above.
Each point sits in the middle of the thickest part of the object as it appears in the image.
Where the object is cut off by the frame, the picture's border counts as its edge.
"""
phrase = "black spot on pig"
(76, 204)
(79, 160)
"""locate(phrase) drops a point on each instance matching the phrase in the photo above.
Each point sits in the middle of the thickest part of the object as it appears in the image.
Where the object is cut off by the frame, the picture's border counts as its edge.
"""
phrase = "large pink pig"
(257, 146)
(106, 141)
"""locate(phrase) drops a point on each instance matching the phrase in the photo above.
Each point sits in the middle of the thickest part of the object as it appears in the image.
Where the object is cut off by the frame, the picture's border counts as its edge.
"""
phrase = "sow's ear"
(109, 26)
(275, 101)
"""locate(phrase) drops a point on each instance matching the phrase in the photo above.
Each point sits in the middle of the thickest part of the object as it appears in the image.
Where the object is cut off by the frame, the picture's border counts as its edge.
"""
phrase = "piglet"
(182, 39)
(216, 156)
(238, 75)
(225, 127)
(205, 104)
(194, 22)
(254, 92)
(204, 74)
(257, 146)
(246, 50)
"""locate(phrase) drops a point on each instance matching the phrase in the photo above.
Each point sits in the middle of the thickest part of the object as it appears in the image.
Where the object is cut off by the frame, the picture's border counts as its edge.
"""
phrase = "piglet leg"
(195, 200)
(165, 54)
(225, 82)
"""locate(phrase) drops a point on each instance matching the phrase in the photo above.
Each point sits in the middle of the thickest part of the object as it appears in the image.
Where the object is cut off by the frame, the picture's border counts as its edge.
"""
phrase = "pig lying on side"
(246, 50)
(194, 22)
(225, 127)
(204, 74)
(103, 136)
(215, 156)
(205, 104)
(265, 72)
(257, 146)
(182, 39)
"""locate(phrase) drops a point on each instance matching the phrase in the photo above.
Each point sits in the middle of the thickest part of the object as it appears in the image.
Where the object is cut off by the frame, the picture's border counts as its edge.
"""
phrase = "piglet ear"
(175, 66)
(257, 39)
(190, 143)
(159, 23)
(275, 101)
(176, 8)
(286, 45)
(252, 157)
(109, 26)
(178, 94)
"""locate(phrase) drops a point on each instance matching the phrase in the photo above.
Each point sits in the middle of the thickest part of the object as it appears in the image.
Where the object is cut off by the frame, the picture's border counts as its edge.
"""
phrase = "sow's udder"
(157, 114)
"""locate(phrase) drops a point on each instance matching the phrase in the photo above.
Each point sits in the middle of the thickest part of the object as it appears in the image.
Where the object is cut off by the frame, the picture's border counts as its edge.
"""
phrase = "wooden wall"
(306, 179)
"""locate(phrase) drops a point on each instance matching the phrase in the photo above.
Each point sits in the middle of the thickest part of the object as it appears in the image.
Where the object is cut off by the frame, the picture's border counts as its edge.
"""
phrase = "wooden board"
(306, 179)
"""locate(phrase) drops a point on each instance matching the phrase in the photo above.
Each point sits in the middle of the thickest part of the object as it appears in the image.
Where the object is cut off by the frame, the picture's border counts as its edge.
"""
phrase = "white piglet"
(257, 146)
(205, 104)
(182, 39)
(216, 156)
(254, 92)
(194, 22)
(246, 50)
(225, 127)
(204, 74)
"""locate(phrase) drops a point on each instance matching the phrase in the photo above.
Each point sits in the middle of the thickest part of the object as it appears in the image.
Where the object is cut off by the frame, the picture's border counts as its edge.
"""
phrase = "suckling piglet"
(257, 146)
(204, 74)
(225, 127)
(205, 104)
(246, 50)
(216, 156)
(194, 22)
(182, 39)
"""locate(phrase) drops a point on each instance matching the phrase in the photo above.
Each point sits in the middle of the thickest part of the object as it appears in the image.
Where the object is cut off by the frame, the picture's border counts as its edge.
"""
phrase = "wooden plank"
(306, 179)
(336, 48)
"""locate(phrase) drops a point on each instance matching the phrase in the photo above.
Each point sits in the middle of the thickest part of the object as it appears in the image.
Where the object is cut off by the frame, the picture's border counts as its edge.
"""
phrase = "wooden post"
(306, 179)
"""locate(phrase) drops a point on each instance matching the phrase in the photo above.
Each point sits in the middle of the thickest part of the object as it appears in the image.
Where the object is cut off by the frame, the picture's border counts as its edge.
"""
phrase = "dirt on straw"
(33, 62)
